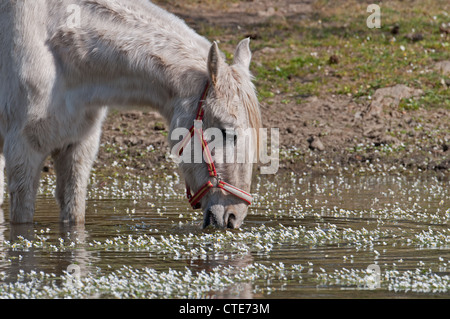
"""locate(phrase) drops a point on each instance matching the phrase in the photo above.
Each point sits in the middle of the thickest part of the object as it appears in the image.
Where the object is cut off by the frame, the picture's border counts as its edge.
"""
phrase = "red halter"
(194, 200)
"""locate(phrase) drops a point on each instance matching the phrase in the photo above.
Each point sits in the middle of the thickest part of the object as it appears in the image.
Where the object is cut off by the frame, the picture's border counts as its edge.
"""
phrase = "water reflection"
(2, 235)
(240, 290)
(28, 257)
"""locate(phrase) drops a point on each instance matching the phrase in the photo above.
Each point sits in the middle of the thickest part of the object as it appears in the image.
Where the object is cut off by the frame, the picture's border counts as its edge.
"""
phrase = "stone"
(315, 143)
(390, 97)
(443, 67)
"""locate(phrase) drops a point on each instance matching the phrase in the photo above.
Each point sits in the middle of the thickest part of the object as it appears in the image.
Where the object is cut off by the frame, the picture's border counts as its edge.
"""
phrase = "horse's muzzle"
(221, 218)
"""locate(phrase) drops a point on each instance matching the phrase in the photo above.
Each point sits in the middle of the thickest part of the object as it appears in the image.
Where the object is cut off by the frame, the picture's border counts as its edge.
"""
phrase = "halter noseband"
(194, 200)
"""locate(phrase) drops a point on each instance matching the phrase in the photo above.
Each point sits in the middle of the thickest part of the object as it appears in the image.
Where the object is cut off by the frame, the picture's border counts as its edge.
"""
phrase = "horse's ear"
(243, 55)
(214, 62)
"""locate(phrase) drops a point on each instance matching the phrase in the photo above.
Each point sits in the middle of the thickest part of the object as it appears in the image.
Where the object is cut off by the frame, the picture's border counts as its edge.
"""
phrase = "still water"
(321, 236)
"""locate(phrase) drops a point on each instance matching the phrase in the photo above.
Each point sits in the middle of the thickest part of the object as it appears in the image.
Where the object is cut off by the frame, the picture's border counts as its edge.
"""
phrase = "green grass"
(298, 64)
(368, 58)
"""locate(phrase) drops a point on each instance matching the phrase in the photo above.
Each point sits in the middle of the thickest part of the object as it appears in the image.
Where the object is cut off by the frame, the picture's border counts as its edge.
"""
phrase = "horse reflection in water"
(28, 259)
(242, 290)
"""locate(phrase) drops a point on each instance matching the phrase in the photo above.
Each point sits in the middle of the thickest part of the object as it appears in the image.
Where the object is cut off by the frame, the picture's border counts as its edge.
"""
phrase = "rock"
(390, 97)
(315, 143)
(119, 140)
(443, 67)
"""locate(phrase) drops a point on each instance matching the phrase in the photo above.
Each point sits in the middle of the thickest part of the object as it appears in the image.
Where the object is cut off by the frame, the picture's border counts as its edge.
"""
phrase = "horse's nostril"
(231, 221)
(208, 219)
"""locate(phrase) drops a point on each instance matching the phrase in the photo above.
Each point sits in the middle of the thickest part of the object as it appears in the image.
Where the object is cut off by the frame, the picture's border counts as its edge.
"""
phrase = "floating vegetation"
(129, 282)
(433, 238)
(418, 280)
(141, 240)
(259, 240)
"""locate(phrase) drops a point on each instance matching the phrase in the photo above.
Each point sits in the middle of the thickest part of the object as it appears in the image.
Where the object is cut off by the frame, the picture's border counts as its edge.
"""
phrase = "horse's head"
(228, 125)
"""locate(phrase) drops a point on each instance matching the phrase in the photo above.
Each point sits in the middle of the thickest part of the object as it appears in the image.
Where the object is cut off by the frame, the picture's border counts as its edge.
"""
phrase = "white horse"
(63, 61)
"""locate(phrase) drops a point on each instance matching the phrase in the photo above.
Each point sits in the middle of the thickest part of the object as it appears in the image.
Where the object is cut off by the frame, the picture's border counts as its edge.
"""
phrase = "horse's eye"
(224, 133)
(229, 134)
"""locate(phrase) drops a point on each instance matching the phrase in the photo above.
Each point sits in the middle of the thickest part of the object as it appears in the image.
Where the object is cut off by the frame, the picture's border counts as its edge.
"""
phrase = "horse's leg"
(73, 164)
(23, 167)
(2, 172)
(2, 178)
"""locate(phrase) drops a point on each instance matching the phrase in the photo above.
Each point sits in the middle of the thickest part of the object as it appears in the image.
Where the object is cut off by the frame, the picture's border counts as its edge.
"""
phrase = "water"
(304, 237)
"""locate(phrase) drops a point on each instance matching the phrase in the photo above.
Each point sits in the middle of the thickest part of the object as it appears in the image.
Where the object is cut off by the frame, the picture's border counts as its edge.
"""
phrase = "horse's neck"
(128, 59)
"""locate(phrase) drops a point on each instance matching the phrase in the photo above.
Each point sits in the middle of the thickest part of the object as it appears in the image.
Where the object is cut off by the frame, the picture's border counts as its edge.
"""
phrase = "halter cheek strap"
(195, 199)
